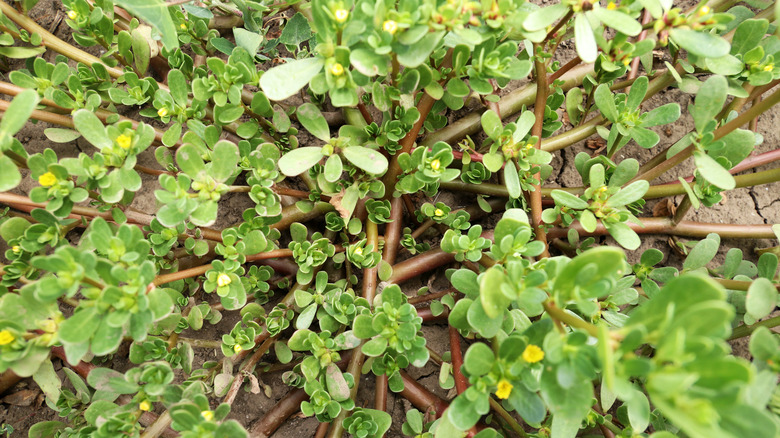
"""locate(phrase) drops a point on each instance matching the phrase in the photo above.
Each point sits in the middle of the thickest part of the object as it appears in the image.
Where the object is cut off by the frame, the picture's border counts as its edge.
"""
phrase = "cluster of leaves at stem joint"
(394, 338)
(605, 199)
(92, 411)
(512, 149)
(441, 213)
(535, 368)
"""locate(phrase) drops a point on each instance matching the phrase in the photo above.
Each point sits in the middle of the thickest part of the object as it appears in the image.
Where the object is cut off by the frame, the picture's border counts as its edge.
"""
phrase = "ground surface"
(23, 406)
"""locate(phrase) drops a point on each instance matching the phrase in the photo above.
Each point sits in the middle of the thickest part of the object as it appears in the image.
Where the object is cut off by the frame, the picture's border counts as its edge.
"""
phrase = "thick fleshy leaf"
(662, 115)
(300, 160)
(284, 80)
(512, 180)
(709, 101)
(370, 160)
(154, 12)
(312, 119)
(702, 44)
(606, 102)
(88, 124)
(713, 172)
(644, 137)
(9, 174)
(586, 42)
(631, 193)
(619, 21)
(543, 17)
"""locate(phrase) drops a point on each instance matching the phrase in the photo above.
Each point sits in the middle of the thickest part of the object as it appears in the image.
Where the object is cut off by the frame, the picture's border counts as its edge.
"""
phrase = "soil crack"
(754, 197)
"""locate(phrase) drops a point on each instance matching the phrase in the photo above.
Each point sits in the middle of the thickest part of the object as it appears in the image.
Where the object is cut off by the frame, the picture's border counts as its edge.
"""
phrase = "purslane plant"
(301, 153)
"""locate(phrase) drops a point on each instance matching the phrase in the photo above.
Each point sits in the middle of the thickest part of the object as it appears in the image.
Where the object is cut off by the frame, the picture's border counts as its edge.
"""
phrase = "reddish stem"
(461, 384)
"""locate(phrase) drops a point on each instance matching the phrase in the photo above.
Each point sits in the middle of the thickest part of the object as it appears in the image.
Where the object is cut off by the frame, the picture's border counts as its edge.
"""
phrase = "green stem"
(746, 330)
(660, 225)
(496, 406)
(561, 315)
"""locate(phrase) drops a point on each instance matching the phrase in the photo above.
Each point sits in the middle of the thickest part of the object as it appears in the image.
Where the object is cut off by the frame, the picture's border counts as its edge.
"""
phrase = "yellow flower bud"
(48, 325)
(626, 61)
(207, 415)
(435, 164)
(237, 348)
(183, 26)
(47, 179)
(73, 15)
(390, 26)
(162, 112)
(611, 6)
(438, 212)
(337, 69)
(769, 67)
(532, 354)
(124, 141)
(341, 15)
(223, 280)
(16, 249)
(704, 11)
(145, 405)
(6, 337)
(504, 389)
(359, 251)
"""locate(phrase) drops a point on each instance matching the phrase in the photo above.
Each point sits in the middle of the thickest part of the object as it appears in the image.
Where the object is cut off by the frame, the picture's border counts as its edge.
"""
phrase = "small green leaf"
(512, 180)
(249, 41)
(565, 198)
(312, 119)
(155, 12)
(586, 42)
(300, 160)
(333, 168)
(88, 124)
(631, 193)
(709, 101)
(370, 160)
(713, 172)
(619, 21)
(624, 235)
(18, 112)
(761, 298)
(541, 18)
(606, 102)
(284, 80)
(296, 30)
(491, 123)
(80, 327)
(493, 300)
(479, 359)
(9, 174)
(700, 43)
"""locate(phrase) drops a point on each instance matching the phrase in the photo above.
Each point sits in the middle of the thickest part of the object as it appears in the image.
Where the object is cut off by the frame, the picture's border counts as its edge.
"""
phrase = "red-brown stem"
(461, 384)
(322, 430)
(364, 112)
(420, 264)
(658, 225)
(427, 314)
(292, 214)
(566, 67)
(406, 143)
(420, 397)
(393, 230)
(564, 20)
(370, 274)
(635, 62)
(539, 107)
(432, 296)
(287, 406)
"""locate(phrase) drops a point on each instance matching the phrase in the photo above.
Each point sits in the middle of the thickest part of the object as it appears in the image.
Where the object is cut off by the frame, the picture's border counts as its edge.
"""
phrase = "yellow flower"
(390, 27)
(611, 6)
(124, 141)
(438, 212)
(47, 179)
(337, 69)
(162, 112)
(145, 405)
(769, 67)
(532, 354)
(626, 61)
(183, 26)
(73, 15)
(208, 415)
(359, 251)
(16, 249)
(237, 348)
(504, 389)
(223, 280)
(6, 337)
(435, 164)
(704, 11)
(341, 15)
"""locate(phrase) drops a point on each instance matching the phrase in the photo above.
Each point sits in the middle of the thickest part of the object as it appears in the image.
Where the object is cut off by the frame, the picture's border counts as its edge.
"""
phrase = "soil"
(24, 406)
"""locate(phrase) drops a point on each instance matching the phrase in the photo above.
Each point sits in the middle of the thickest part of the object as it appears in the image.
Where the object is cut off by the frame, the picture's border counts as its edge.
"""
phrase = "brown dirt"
(757, 205)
